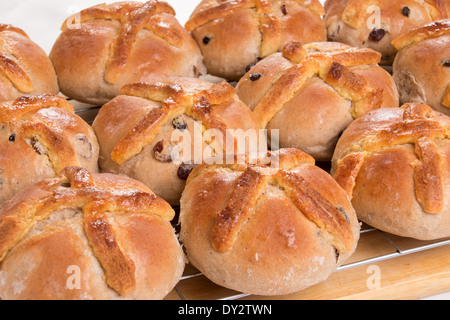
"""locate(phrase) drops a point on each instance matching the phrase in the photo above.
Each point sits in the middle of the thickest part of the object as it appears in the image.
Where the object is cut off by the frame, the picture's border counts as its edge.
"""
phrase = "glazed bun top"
(107, 46)
(234, 34)
(25, 67)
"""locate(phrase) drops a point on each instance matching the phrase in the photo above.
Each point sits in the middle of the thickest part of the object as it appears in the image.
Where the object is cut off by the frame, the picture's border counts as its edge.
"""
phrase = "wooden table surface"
(383, 267)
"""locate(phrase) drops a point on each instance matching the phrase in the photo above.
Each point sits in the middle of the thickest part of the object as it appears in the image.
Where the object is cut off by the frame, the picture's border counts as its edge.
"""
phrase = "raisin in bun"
(312, 92)
(395, 166)
(88, 236)
(422, 66)
(375, 24)
(40, 136)
(276, 225)
(25, 67)
(140, 130)
(109, 45)
(234, 34)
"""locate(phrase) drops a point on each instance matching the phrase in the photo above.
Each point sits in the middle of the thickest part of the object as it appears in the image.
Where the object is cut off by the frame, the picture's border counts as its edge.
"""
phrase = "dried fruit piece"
(377, 34)
(163, 151)
(185, 170)
(179, 123)
(255, 76)
(206, 40)
(406, 11)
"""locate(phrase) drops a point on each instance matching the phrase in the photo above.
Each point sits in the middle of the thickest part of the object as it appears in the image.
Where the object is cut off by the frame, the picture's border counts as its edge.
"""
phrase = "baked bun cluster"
(41, 135)
(271, 228)
(395, 165)
(88, 236)
(24, 67)
(225, 120)
(311, 93)
(139, 130)
(421, 69)
(375, 24)
(110, 45)
(235, 34)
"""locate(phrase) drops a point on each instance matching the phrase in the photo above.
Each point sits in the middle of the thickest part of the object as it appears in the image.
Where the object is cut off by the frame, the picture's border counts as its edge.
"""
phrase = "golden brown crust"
(355, 13)
(268, 25)
(418, 126)
(376, 23)
(15, 74)
(238, 210)
(24, 67)
(119, 268)
(41, 136)
(446, 101)
(420, 69)
(27, 103)
(11, 69)
(133, 17)
(143, 127)
(130, 42)
(312, 92)
(60, 150)
(320, 63)
(175, 101)
(224, 8)
(268, 226)
(95, 198)
(216, 12)
(432, 30)
(8, 27)
(347, 171)
(252, 183)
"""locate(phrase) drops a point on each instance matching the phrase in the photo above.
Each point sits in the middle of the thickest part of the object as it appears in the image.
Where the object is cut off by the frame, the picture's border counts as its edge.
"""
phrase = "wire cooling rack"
(374, 247)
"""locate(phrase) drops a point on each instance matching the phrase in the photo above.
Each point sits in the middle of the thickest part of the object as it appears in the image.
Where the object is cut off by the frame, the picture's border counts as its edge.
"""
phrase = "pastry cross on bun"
(175, 101)
(252, 183)
(137, 130)
(265, 26)
(103, 220)
(413, 141)
(375, 24)
(132, 40)
(41, 136)
(336, 72)
(271, 228)
(133, 17)
(331, 67)
(24, 66)
(421, 69)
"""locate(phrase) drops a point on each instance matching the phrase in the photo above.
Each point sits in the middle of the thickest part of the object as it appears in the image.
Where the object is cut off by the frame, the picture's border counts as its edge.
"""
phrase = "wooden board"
(383, 267)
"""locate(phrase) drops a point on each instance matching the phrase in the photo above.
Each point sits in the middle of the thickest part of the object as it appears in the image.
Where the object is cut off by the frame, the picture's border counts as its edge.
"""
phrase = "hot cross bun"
(88, 236)
(375, 24)
(267, 227)
(107, 46)
(234, 34)
(40, 136)
(312, 92)
(422, 66)
(395, 166)
(137, 129)
(24, 67)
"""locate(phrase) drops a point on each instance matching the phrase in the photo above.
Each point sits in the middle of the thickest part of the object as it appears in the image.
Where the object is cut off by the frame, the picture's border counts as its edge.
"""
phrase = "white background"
(42, 19)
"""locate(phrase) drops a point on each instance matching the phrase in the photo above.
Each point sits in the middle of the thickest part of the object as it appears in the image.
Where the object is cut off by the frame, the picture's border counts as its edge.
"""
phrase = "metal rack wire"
(89, 113)
(398, 252)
